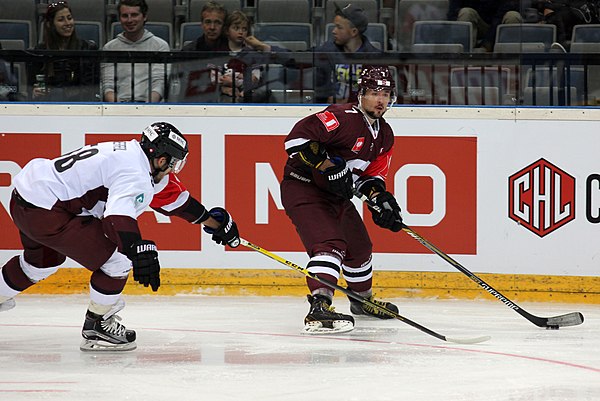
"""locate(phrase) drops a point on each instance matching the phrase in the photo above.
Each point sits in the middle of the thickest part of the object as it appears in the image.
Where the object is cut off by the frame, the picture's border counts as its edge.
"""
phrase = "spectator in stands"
(64, 79)
(213, 16)
(133, 16)
(565, 14)
(336, 77)
(250, 53)
(231, 78)
(485, 16)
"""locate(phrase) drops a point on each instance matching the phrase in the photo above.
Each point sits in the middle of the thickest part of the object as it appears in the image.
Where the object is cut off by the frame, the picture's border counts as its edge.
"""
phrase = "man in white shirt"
(148, 83)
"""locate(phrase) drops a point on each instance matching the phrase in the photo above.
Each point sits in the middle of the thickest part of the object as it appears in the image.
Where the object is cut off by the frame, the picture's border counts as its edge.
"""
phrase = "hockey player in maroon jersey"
(344, 147)
(85, 204)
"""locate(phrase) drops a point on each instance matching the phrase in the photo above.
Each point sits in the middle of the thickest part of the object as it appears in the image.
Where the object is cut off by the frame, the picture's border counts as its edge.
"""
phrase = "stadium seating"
(517, 38)
(90, 30)
(410, 11)
(17, 30)
(291, 35)
(189, 31)
(552, 86)
(283, 11)
(21, 10)
(442, 36)
(586, 39)
(480, 85)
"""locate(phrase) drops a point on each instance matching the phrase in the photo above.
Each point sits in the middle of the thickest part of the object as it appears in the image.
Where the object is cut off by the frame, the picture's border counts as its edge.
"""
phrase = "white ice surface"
(250, 348)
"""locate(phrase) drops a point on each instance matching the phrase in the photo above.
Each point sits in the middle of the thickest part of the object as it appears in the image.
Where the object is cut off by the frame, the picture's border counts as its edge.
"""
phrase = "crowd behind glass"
(232, 60)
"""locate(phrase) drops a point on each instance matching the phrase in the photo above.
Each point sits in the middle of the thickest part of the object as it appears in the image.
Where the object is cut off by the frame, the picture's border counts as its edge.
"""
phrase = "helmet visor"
(177, 164)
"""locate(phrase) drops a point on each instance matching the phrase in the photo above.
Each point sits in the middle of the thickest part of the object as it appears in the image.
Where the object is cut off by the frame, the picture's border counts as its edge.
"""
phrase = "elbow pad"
(313, 154)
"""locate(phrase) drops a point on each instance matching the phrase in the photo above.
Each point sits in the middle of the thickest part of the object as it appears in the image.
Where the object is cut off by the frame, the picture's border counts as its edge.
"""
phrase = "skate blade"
(7, 305)
(103, 346)
(316, 328)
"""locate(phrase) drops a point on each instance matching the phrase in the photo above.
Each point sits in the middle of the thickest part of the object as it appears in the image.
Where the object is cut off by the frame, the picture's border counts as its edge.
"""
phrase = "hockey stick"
(569, 319)
(357, 297)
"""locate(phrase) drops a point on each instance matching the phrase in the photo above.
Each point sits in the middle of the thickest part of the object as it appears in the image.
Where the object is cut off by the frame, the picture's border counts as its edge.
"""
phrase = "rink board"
(517, 287)
(510, 192)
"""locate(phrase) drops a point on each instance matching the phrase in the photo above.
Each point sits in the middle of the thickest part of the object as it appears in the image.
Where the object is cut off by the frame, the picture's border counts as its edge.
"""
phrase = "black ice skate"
(359, 308)
(105, 333)
(322, 318)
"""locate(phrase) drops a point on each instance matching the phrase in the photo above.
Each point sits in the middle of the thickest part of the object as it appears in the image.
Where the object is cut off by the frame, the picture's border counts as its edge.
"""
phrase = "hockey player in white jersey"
(85, 204)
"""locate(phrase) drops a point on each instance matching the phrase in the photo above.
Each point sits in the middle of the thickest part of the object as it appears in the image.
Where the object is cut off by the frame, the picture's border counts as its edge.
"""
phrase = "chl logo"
(541, 197)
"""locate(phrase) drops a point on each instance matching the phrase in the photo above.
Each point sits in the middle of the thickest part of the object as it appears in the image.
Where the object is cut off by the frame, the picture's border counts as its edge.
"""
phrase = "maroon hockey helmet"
(163, 139)
(377, 77)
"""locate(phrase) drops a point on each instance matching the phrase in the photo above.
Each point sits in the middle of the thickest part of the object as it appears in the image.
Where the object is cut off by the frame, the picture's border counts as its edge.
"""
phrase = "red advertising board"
(456, 157)
(21, 148)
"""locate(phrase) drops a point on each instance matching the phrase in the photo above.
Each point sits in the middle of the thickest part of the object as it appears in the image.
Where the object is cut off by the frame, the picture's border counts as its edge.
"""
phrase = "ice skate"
(105, 333)
(322, 318)
(7, 305)
(359, 308)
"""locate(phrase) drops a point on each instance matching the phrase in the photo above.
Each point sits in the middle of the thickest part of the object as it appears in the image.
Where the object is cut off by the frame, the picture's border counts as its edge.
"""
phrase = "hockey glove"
(146, 269)
(388, 215)
(339, 178)
(227, 232)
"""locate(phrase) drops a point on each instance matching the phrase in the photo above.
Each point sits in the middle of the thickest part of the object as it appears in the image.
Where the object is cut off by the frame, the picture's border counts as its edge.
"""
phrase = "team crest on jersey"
(139, 198)
(358, 144)
(329, 120)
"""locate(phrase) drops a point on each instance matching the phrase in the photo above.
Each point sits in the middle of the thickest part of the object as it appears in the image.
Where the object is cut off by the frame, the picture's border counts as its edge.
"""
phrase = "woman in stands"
(69, 79)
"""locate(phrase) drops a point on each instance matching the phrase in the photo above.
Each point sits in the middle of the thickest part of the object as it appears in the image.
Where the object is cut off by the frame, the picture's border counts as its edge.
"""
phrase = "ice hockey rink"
(251, 348)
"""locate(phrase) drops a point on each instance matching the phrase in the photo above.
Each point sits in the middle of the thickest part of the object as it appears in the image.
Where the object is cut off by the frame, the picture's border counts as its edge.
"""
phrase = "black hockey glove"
(146, 269)
(388, 215)
(227, 233)
(339, 178)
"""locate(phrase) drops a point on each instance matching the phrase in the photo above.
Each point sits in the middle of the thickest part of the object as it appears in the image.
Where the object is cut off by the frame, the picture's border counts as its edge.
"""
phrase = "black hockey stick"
(357, 297)
(569, 319)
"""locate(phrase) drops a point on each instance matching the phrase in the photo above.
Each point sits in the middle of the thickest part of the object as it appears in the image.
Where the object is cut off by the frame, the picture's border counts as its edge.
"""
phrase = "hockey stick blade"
(357, 297)
(570, 319)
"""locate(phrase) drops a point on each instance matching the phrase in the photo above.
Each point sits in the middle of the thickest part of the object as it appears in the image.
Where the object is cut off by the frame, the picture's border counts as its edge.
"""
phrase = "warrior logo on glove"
(227, 232)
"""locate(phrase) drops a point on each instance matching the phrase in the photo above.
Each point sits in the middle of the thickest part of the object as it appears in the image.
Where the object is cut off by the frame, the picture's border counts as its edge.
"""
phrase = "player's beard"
(370, 114)
(373, 115)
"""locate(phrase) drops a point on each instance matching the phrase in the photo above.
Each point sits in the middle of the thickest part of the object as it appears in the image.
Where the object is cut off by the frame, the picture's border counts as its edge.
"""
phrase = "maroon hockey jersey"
(346, 133)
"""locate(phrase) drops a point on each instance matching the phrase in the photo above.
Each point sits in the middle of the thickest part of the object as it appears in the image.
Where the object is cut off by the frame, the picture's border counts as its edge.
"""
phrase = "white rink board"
(507, 142)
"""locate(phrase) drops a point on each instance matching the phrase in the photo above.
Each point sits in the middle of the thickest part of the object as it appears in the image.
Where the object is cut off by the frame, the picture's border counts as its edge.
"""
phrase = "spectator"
(231, 78)
(249, 52)
(485, 16)
(565, 14)
(213, 16)
(133, 16)
(336, 78)
(67, 79)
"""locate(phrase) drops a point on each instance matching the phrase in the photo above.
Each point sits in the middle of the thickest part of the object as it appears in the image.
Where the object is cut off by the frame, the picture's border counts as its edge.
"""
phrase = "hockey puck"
(552, 327)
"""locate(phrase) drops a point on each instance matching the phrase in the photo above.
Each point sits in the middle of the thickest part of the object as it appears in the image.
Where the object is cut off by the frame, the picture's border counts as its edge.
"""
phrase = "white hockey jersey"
(109, 178)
